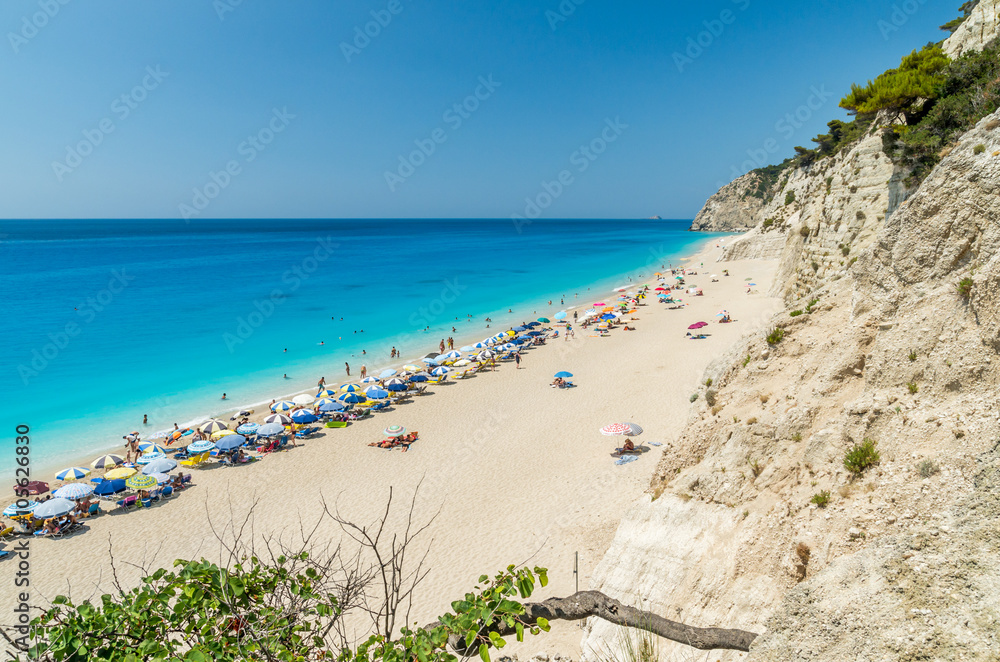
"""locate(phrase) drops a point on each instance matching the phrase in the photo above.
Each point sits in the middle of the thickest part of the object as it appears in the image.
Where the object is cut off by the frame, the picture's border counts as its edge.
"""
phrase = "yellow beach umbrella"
(221, 433)
(120, 472)
(411, 368)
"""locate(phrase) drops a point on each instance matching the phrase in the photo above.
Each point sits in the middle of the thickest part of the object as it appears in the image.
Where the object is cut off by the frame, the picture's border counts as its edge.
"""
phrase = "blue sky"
(228, 108)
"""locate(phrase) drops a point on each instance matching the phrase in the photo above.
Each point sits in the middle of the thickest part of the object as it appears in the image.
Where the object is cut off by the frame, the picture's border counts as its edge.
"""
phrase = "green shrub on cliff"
(901, 92)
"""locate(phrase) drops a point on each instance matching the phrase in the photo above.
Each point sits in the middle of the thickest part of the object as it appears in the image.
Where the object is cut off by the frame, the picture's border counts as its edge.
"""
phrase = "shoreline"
(47, 468)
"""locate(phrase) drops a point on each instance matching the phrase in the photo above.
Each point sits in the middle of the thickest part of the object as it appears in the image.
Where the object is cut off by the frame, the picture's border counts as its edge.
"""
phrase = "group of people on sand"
(402, 442)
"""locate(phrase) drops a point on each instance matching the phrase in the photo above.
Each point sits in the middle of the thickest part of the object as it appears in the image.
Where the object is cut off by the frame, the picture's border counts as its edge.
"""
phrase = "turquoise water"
(106, 321)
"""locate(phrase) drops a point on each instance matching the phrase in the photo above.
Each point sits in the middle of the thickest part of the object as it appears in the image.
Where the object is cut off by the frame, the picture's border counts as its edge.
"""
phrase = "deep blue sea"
(107, 321)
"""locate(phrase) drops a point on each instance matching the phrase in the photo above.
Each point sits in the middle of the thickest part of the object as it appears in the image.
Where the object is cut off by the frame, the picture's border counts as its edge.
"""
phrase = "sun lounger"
(185, 478)
(127, 502)
(168, 491)
(5, 553)
(6, 532)
(94, 509)
(269, 448)
(195, 460)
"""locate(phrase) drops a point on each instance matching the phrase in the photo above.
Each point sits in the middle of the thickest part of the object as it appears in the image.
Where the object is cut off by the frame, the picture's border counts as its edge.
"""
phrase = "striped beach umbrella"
(479, 345)
(621, 429)
(213, 425)
(485, 355)
(331, 406)
(247, 428)
(150, 447)
(396, 384)
(279, 418)
(73, 473)
(409, 367)
(149, 457)
(107, 461)
(351, 388)
(74, 491)
(327, 393)
(120, 472)
(461, 363)
(440, 371)
(303, 399)
(351, 398)
(394, 431)
(283, 405)
(270, 429)
(222, 433)
(177, 434)
(159, 477)
(201, 446)
(303, 416)
(13, 510)
(319, 403)
(140, 482)
(370, 380)
(387, 373)
(453, 354)
(423, 376)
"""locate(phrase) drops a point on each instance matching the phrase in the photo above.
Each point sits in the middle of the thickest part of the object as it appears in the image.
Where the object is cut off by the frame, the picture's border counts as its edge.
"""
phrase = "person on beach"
(441, 346)
(364, 372)
(320, 385)
(145, 419)
(223, 396)
(347, 367)
(286, 375)
(517, 359)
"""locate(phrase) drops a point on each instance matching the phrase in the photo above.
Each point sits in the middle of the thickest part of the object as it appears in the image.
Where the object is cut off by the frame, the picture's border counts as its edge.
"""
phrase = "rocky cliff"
(891, 338)
(978, 29)
(735, 207)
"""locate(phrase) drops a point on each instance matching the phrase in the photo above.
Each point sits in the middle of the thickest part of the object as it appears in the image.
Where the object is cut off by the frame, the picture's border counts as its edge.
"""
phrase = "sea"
(106, 322)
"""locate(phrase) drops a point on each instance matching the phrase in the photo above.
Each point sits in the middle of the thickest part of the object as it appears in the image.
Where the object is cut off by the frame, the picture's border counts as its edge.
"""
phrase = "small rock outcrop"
(734, 208)
(977, 30)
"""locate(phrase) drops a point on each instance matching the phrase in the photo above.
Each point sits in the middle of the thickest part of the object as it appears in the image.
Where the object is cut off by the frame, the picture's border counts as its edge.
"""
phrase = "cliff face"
(978, 29)
(897, 342)
(733, 208)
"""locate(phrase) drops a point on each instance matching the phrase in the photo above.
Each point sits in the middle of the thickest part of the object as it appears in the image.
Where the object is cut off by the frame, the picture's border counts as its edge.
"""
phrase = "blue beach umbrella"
(535, 334)
(150, 447)
(561, 315)
(327, 393)
(53, 508)
(109, 487)
(396, 385)
(519, 329)
(564, 374)
(232, 441)
(283, 405)
(541, 320)
(370, 380)
(386, 374)
(149, 457)
(162, 466)
(468, 348)
(351, 388)
(247, 428)
(13, 509)
(376, 393)
(301, 416)
(73, 473)
(480, 345)
(450, 355)
(270, 429)
(201, 446)
(331, 406)
(420, 377)
(351, 398)
(440, 372)
(74, 491)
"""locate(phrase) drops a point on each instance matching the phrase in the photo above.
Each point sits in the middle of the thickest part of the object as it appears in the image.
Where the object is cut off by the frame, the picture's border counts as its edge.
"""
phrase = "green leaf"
(484, 652)
(543, 624)
(519, 629)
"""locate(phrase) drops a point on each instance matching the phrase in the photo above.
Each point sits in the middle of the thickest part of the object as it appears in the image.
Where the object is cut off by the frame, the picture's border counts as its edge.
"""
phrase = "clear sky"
(135, 108)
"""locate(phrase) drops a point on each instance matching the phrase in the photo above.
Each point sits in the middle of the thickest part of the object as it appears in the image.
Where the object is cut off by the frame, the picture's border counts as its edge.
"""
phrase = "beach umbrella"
(351, 388)
(301, 416)
(322, 401)
(440, 372)
(241, 414)
(303, 399)
(163, 465)
(270, 429)
(621, 429)
(109, 487)
(250, 428)
(120, 472)
(53, 508)
(461, 363)
(430, 361)
(453, 354)
(479, 345)
(564, 374)
(278, 418)
(376, 393)
(599, 304)
(222, 433)
(387, 373)
(177, 434)
(150, 447)
(159, 477)
(396, 384)
(326, 393)
(283, 405)
(331, 406)
(201, 446)
(149, 457)
(468, 348)
(74, 491)
(409, 367)
(544, 320)
(370, 380)
(106, 461)
(140, 482)
(519, 329)
(14, 510)
(213, 425)
(394, 431)
(73, 473)
(561, 315)
(486, 355)
(234, 441)
(698, 325)
(351, 398)
(423, 376)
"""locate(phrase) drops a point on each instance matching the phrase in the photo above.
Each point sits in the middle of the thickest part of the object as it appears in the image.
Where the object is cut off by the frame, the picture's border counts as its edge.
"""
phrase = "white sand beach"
(515, 470)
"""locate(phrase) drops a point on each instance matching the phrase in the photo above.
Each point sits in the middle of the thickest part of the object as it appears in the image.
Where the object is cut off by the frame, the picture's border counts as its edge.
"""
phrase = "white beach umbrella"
(303, 399)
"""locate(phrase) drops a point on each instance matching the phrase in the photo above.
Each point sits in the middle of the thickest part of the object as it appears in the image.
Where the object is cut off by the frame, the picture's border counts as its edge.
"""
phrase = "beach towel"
(655, 443)
(625, 460)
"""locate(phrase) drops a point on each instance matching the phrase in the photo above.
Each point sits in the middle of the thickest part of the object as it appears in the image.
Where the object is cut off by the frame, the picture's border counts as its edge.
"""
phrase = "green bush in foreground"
(278, 610)
(964, 287)
(821, 499)
(861, 457)
(775, 336)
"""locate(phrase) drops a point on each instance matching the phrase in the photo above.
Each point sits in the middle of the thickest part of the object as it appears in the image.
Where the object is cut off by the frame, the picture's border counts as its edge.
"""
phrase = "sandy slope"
(517, 471)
